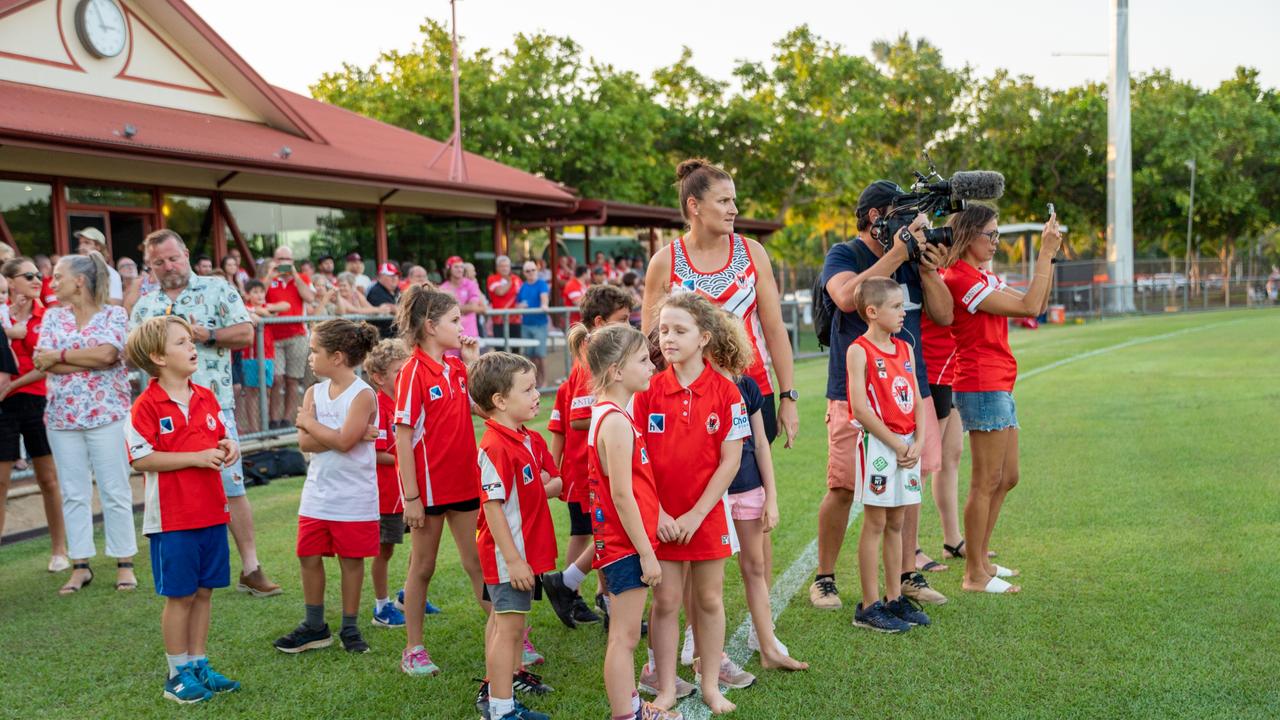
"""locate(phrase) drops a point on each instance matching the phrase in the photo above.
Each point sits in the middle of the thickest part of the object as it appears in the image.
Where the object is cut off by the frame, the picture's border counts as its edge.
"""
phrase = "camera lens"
(939, 236)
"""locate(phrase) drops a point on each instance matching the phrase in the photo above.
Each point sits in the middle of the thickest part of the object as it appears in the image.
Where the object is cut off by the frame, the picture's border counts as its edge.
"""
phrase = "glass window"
(104, 195)
(27, 211)
(190, 217)
(310, 231)
(428, 241)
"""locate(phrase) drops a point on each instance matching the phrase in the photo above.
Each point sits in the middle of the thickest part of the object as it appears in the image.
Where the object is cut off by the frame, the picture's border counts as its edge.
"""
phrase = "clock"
(102, 27)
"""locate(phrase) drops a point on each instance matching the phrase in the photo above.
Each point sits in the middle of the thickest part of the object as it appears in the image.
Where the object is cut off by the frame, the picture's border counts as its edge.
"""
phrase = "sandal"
(125, 585)
(958, 551)
(70, 589)
(932, 565)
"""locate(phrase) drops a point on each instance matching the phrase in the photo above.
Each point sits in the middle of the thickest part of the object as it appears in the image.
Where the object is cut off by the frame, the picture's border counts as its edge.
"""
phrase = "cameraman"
(846, 266)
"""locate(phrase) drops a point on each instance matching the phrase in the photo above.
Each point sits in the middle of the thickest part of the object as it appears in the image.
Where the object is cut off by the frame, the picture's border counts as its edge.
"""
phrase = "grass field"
(1145, 528)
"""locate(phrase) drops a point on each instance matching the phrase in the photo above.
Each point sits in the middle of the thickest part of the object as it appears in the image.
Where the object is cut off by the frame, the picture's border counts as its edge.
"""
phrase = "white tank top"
(341, 486)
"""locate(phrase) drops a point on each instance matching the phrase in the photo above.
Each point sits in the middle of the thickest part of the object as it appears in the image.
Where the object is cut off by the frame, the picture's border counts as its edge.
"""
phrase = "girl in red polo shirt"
(694, 421)
(985, 374)
(435, 453)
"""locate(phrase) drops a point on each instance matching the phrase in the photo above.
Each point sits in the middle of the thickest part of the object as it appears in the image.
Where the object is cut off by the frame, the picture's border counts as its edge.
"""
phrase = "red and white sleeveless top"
(890, 382)
(732, 287)
(612, 541)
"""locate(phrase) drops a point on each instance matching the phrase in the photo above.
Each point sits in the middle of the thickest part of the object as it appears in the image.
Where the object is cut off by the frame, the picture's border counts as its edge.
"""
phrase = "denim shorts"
(623, 574)
(986, 411)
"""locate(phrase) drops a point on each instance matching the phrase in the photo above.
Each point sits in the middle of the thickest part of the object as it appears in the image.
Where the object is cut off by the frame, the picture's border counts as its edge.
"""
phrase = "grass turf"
(1144, 526)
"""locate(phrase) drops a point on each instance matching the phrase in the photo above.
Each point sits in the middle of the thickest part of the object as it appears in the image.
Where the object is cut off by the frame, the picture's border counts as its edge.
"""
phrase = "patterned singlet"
(733, 288)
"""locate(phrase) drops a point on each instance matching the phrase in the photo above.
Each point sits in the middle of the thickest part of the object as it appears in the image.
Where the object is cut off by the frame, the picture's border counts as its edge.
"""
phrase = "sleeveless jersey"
(340, 486)
(733, 288)
(890, 391)
(612, 541)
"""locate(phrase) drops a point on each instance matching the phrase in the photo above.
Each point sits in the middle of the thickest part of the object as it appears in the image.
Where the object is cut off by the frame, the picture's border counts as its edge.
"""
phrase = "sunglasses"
(30, 277)
(994, 235)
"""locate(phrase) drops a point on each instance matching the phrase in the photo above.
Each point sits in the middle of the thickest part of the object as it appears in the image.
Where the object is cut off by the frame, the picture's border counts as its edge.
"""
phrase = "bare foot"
(717, 702)
(126, 580)
(79, 578)
(775, 660)
(665, 700)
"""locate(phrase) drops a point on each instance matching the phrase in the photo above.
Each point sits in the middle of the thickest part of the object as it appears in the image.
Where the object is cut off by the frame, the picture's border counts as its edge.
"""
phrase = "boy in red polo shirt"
(177, 440)
(515, 536)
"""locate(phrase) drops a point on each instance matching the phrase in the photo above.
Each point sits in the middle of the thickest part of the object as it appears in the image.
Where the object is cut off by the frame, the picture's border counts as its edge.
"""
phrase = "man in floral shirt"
(220, 324)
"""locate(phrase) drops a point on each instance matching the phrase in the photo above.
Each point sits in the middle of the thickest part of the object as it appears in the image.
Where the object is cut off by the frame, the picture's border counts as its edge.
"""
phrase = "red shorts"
(357, 539)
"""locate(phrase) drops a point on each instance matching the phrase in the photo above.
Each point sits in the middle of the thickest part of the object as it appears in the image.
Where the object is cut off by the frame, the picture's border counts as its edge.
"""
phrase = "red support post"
(380, 234)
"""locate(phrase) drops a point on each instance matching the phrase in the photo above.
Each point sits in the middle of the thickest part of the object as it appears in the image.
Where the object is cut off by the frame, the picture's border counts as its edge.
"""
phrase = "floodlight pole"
(457, 161)
(1119, 164)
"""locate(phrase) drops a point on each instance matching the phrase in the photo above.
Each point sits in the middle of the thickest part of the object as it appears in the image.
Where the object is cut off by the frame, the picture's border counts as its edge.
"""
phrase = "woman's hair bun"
(687, 167)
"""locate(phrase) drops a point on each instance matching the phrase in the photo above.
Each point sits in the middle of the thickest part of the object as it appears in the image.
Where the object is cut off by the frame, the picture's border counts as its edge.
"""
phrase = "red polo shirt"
(390, 492)
(504, 301)
(511, 464)
(431, 398)
(572, 294)
(683, 428)
(189, 498)
(574, 399)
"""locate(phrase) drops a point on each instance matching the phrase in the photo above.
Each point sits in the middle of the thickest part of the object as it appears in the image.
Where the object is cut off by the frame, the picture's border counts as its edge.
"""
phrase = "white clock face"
(102, 27)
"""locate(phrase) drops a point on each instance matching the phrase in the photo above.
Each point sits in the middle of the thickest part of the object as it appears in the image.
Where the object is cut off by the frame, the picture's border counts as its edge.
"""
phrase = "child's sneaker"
(824, 595)
(649, 711)
(530, 655)
(303, 639)
(482, 699)
(417, 662)
(523, 713)
(878, 618)
(352, 640)
(753, 642)
(185, 688)
(427, 607)
(212, 679)
(905, 609)
(917, 588)
(603, 604)
(527, 682)
(649, 683)
(582, 613)
(388, 616)
(731, 675)
(686, 650)
(560, 597)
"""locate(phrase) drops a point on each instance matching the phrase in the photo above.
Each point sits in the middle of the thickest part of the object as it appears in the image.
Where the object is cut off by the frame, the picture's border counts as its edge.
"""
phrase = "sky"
(292, 42)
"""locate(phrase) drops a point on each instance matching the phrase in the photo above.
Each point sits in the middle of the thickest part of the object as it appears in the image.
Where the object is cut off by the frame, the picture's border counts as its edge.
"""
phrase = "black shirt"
(379, 295)
(748, 477)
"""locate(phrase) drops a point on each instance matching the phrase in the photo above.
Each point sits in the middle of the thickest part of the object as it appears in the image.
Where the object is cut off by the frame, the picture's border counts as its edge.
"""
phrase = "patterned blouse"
(89, 398)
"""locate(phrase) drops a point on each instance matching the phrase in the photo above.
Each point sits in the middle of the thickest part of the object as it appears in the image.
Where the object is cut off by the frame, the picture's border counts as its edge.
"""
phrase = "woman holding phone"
(985, 374)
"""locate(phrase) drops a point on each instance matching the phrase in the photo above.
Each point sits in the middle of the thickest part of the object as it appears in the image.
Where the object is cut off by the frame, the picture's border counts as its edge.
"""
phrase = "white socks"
(573, 577)
(176, 661)
(500, 708)
(381, 603)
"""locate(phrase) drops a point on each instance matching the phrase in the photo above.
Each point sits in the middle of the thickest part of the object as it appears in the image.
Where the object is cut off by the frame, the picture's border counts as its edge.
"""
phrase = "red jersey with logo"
(390, 492)
(431, 398)
(24, 349)
(186, 499)
(511, 464)
(574, 399)
(612, 541)
(572, 293)
(733, 288)
(891, 385)
(503, 301)
(984, 362)
(683, 429)
(287, 291)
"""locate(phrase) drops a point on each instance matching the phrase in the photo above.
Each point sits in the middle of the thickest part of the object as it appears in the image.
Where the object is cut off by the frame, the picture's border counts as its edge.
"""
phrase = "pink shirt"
(468, 292)
(89, 398)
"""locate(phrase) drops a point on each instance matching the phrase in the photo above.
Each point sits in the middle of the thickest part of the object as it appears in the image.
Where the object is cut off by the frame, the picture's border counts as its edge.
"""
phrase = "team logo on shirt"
(902, 394)
(462, 384)
(972, 292)
(526, 474)
(582, 401)
(741, 279)
(878, 484)
(382, 434)
(713, 423)
(600, 545)
(435, 393)
(880, 369)
(689, 285)
(555, 414)
(907, 365)
(208, 420)
(880, 464)
(657, 422)
(644, 456)
(740, 418)
(724, 539)
(166, 425)
(599, 515)
(913, 484)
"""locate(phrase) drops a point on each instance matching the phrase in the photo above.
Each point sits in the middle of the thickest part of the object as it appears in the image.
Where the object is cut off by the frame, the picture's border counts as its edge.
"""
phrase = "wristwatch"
(791, 395)
(213, 338)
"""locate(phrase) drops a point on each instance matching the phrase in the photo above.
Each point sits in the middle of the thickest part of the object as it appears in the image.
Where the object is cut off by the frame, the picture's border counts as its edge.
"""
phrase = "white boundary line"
(796, 575)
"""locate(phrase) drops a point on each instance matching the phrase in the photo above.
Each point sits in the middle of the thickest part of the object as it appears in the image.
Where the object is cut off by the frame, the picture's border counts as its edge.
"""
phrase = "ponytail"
(97, 276)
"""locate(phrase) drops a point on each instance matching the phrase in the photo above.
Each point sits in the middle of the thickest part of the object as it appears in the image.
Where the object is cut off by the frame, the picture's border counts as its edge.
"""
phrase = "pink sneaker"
(416, 661)
(530, 655)
(731, 675)
(649, 683)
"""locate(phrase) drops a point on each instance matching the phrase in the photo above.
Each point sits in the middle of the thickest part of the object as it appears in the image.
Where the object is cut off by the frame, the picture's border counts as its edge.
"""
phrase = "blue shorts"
(249, 371)
(538, 333)
(184, 561)
(233, 474)
(623, 575)
(986, 411)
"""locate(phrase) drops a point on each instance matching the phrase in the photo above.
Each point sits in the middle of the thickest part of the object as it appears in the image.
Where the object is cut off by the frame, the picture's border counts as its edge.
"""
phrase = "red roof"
(354, 148)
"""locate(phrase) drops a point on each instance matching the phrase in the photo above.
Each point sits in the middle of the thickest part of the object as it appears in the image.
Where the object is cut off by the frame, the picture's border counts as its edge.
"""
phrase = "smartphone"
(1051, 210)
(285, 268)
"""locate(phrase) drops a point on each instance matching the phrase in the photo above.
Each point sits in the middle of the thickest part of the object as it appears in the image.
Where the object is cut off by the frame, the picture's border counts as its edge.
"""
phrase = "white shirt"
(115, 288)
(341, 486)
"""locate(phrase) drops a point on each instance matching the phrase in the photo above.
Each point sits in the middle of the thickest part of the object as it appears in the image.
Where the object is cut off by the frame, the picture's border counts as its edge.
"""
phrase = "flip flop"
(932, 565)
(1004, 572)
(996, 586)
(958, 550)
(70, 589)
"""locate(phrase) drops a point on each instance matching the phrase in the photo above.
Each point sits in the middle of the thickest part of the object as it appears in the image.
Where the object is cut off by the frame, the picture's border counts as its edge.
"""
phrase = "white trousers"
(82, 456)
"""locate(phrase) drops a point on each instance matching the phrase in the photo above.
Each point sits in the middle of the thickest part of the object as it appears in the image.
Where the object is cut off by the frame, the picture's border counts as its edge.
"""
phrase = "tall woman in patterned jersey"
(985, 374)
(734, 272)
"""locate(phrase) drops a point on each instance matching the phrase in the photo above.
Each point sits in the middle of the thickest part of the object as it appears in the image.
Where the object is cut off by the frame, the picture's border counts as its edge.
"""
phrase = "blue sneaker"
(428, 608)
(878, 618)
(388, 616)
(906, 609)
(185, 688)
(214, 680)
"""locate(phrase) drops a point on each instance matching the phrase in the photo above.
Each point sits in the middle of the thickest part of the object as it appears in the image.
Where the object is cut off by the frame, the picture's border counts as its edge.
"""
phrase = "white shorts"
(883, 483)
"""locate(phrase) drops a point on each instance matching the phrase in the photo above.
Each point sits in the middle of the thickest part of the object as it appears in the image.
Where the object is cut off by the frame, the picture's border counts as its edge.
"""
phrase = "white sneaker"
(753, 642)
(686, 652)
(58, 563)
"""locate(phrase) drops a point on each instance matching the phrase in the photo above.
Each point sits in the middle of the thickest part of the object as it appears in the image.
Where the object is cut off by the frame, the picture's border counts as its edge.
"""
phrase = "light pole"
(1191, 207)
(1119, 163)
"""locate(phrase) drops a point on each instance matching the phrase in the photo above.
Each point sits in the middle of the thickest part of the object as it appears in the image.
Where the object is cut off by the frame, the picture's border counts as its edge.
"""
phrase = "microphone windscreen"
(977, 185)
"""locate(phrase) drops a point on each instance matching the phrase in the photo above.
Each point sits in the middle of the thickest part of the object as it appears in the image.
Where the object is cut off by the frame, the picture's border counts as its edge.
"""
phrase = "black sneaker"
(878, 618)
(561, 598)
(482, 699)
(604, 610)
(582, 613)
(527, 682)
(303, 639)
(906, 609)
(352, 640)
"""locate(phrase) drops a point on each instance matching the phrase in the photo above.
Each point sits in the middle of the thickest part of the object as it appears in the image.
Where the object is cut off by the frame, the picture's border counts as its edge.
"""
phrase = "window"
(26, 209)
(310, 231)
(190, 217)
(112, 196)
(428, 241)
